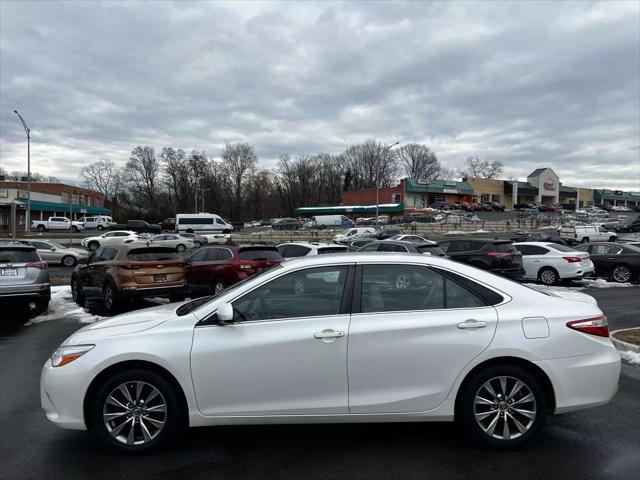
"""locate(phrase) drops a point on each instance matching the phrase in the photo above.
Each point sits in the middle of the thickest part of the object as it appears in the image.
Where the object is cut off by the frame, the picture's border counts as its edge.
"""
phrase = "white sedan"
(172, 240)
(117, 237)
(273, 349)
(549, 262)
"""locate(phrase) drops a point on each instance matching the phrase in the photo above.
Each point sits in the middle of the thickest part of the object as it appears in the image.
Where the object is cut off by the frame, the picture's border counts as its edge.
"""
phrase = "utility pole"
(386, 150)
(27, 218)
(203, 190)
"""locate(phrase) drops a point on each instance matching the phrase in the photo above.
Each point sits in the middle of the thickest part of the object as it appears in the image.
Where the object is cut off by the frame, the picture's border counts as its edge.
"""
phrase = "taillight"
(593, 326)
(573, 259)
(39, 265)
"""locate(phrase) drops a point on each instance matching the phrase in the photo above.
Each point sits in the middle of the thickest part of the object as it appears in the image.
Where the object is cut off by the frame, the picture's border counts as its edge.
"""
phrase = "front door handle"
(328, 335)
(471, 324)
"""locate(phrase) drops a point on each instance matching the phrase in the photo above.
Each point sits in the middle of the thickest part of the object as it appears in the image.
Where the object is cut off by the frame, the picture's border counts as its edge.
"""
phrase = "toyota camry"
(339, 338)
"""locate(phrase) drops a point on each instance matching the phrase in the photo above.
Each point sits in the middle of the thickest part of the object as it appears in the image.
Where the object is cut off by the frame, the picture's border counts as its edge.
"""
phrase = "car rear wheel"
(180, 248)
(197, 244)
(41, 306)
(621, 273)
(69, 261)
(93, 246)
(76, 291)
(218, 287)
(100, 227)
(502, 406)
(548, 276)
(110, 298)
(585, 240)
(74, 229)
(41, 228)
(136, 411)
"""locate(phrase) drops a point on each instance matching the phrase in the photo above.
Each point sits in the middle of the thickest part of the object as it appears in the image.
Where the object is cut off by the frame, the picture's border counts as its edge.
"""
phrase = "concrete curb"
(624, 346)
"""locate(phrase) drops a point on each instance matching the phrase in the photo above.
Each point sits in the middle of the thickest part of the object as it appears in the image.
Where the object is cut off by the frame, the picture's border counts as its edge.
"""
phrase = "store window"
(440, 199)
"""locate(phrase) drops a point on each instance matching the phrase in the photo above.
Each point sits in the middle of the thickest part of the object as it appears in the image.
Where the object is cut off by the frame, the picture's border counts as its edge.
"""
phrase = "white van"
(322, 221)
(99, 222)
(201, 223)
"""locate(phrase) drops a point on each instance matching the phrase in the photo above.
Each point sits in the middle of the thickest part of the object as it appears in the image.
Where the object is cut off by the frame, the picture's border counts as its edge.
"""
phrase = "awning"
(437, 186)
(350, 209)
(63, 208)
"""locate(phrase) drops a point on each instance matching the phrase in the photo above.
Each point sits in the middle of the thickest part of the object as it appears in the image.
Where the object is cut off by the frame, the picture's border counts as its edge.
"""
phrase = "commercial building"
(48, 200)
(543, 185)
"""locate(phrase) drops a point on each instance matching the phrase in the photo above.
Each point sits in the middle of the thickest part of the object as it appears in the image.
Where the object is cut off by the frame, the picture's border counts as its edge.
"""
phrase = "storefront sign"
(549, 185)
(22, 194)
(450, 190)
(423, 181)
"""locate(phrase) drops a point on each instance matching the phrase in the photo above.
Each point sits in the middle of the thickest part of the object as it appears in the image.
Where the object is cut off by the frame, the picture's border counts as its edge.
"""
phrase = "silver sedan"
(54, 252)
(172, 240)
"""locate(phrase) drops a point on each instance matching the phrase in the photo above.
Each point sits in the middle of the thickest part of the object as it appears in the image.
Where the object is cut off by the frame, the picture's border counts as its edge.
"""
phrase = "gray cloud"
(531, 84)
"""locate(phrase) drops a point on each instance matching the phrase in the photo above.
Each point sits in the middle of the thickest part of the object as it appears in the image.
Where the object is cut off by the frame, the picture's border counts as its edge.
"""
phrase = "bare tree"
(370, 163)
(142, 172)
(103, 176)
(418, 161)
(475, 167)
(239, 160)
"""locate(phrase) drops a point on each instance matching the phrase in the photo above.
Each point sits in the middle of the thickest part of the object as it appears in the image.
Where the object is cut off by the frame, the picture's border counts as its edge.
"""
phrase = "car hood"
(132, 322)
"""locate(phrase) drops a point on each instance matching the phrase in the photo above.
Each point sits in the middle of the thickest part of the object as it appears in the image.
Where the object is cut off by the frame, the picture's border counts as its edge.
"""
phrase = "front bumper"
(62, 391)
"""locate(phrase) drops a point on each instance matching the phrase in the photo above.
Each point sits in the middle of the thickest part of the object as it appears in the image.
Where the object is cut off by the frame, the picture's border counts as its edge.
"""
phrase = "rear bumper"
(584, 381)
(25, 293)
(164, 290)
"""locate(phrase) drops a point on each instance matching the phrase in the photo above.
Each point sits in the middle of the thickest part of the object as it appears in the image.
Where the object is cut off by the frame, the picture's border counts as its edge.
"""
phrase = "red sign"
(549, 185)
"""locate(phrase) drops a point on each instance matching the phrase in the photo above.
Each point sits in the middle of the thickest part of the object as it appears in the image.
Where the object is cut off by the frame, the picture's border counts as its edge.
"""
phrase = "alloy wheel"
(548, 277)
(69, 261)
(108, 297)
(505, 407)
(135, 413)
(621, 274)
(403, 281)
(218, 288)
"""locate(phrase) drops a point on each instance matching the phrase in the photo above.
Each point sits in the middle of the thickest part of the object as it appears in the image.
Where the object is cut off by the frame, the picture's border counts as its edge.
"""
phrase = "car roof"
(407, 243)
(8, 245)
(313, 244)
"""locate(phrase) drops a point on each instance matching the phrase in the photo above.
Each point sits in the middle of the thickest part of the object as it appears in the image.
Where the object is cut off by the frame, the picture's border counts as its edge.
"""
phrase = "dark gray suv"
(24, 278)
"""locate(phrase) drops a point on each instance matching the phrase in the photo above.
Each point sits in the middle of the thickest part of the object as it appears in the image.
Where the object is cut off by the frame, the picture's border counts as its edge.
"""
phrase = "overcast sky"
(529, 84)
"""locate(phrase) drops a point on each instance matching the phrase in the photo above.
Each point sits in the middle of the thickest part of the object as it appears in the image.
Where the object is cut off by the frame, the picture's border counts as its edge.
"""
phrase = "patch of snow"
(482, 231)
(62, 306)
(601, 283)
(455, 232)
(630, 357)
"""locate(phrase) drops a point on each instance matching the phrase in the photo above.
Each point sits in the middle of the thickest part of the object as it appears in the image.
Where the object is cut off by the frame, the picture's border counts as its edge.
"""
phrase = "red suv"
(212, 269)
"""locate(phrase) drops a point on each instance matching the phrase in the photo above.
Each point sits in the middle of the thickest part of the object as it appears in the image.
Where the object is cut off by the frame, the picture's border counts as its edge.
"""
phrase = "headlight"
(68, 354)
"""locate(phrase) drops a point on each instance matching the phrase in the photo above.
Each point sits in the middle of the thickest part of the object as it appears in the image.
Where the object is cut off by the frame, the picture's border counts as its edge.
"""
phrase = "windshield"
(561, 248)
(199, 302)
(260, 254)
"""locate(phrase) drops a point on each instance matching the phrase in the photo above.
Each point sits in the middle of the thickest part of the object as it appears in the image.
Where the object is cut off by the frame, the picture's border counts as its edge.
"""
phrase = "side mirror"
(225, 314)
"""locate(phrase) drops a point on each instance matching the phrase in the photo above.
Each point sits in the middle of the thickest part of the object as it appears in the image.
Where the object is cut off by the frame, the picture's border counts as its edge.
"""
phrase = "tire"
(548, 276)
(74, 229)
(41, 228)
(612, 238)
(110, 298)
(197, 244)
(621, 274)
(218, 287)
(76, 291)
(100, 227)
(69, 261)
(161, 424)
(180, 248)
(585, 240)
(477, 417)
(41, 306)
(93, 246)
(189, 230)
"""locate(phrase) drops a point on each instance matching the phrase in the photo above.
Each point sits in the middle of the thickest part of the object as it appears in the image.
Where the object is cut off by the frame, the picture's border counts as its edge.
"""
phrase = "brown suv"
(116, 274)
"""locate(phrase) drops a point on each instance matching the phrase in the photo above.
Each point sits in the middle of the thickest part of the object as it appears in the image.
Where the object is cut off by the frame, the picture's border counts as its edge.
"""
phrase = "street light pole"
(27, 218)
(386, 150)
(203, 190)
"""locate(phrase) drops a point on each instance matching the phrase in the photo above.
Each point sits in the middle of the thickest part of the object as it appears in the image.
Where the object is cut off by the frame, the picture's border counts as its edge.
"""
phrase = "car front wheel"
(548, 276)
(136, 410)
(69, 261)
(502, 406)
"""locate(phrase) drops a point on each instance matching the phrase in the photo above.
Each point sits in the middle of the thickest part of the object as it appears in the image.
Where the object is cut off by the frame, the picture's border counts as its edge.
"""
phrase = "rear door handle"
(328, 334)
(467, 324)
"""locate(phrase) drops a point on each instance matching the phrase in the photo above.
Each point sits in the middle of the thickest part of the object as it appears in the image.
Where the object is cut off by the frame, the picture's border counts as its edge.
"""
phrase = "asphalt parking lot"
(600, 443)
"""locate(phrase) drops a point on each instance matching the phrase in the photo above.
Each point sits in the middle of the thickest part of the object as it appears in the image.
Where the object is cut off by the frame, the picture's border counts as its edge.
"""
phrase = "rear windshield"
(8, 255)
(260, 254)
(503, 248)
(322, 251)
(430, 249)
(152, 254)
(561, 248)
